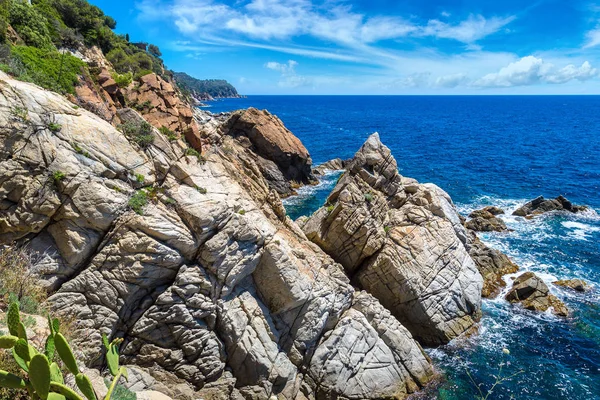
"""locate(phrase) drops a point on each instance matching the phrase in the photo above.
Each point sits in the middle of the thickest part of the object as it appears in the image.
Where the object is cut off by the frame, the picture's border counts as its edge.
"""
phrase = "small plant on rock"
(330, 208)
(171, 136)
(138, 201)
(140, 178)
(20, 113)
(54, 127)
(242, 212)
(368, 197)
(140, 133)
(200, 189)
(45, 379)
(58, 176)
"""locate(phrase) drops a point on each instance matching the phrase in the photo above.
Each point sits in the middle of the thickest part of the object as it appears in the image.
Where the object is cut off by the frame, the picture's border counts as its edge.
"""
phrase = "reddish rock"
(273, 141)
(159, 103)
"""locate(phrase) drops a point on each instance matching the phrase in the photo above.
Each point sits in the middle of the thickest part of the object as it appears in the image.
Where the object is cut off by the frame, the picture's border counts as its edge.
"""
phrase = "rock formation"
(403, 242)
(194, 263)
(337, 164)
(540, 205)
(533, 294)
(579, 285)
(492, 265)
(283, 157)
(485, 220)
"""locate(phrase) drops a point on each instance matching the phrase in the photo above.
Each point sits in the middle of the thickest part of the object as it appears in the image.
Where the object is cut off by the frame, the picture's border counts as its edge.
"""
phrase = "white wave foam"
(326, 182)
(580, 230)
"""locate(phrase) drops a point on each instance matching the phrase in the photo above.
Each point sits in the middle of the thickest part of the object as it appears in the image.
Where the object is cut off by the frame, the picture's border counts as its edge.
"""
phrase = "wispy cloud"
(592, 38)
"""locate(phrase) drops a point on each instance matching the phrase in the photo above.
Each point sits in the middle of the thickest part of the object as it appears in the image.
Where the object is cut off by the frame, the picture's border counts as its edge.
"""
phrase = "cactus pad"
(65, 353)
(39, 375)
(85, 385)
(8, 341)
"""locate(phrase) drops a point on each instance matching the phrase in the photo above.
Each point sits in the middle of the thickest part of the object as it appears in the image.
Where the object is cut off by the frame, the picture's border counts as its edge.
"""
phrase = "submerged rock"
(578, 285)
(403, 242)
(485, 220)
(533, 294)
(541, 205)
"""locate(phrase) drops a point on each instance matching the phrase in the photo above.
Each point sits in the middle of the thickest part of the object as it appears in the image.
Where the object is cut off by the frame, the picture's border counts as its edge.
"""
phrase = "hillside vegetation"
(34, 37)
(199, 88)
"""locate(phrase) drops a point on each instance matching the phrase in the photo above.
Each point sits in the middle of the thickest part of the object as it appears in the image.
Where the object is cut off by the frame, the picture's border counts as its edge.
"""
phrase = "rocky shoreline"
(216, 292)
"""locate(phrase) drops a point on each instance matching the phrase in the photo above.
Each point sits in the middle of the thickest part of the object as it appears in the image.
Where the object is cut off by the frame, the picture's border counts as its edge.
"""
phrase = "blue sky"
(375, 46)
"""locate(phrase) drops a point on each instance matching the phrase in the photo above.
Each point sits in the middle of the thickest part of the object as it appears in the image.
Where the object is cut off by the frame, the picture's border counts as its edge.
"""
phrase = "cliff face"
(191, 260)
(403, 242)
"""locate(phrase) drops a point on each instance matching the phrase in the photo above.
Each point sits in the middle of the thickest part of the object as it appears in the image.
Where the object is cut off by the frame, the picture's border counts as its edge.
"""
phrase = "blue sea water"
(487, 150)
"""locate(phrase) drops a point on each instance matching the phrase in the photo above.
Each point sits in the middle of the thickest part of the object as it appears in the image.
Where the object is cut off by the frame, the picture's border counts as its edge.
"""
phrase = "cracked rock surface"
(403, 242)
(216, 293)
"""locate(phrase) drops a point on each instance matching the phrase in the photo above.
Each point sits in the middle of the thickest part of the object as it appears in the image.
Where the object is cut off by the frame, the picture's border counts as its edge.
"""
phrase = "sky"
(376, 46)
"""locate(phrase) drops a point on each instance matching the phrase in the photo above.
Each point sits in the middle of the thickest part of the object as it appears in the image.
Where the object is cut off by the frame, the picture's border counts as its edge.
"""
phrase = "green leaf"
(22, 331)
(56, 325)
(56, 374)
(22, 350)
(39, 375)
(13, 318)
(20, 362)
(112, 359)
(105, 341)
(11, 381)
(65, 353)
(65, 391)
(85, 385)
(8, 341)
(50, 326)
(50, 348)
(56, 396)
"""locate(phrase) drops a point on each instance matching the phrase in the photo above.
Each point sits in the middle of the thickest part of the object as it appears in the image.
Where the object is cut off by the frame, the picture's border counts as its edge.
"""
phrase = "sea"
(486, 150)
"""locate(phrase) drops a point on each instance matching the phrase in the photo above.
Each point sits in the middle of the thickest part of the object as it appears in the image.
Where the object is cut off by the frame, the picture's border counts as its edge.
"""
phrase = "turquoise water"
(494, 150)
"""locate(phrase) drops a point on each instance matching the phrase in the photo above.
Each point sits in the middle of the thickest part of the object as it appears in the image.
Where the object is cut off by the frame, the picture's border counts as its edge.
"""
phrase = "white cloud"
(476, 27)
(450, 81)
(531, 70)
(288, 68)
(592, 38)
(289, 78)
(282, 19)
(571, 72)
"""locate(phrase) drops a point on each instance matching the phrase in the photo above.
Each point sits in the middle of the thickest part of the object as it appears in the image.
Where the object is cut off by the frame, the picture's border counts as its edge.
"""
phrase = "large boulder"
(272, 141)
(541, 205)
(213, 290)
(533, 294)
(403, 242)
(486, 220)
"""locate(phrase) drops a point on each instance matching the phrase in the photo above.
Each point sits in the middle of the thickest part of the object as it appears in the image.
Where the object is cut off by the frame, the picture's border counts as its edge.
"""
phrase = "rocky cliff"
(403, 242)
(192, 260)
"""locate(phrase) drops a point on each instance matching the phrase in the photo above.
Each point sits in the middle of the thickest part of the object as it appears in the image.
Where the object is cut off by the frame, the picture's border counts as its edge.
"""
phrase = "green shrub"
(49, 69)
(330, 208)
(242, 212)
(193, 152)
(58, 176)
(54, 127)
(140, 133)
(168, 133)
(140, 178)
(30, 24)
(141, 73)
(368, 197)
(123, 80)
(4, 15)
(18, 282)
(138, 201)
